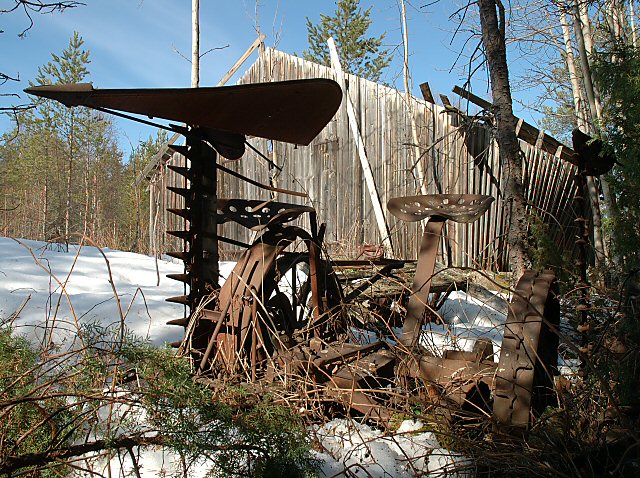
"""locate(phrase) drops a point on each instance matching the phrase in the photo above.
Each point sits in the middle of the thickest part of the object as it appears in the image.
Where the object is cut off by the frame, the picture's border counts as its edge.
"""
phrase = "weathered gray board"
(329, 171)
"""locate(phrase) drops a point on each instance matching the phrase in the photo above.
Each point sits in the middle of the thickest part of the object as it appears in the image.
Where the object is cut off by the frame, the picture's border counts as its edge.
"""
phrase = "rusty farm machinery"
(282, 311)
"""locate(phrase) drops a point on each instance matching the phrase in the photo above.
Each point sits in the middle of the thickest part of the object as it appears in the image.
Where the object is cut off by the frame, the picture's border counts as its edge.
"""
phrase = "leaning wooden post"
(417, 159)
(362, 154)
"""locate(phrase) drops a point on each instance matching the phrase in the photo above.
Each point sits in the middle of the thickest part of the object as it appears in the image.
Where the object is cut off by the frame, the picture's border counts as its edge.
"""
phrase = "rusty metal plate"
(290, 111)
(528, 358)
(443, 371)
(455, 207)
(258, 214)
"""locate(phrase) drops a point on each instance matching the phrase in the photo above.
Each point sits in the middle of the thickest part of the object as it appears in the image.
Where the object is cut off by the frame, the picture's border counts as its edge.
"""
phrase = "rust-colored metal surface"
(257, 214)
(463, 208)
(290, 111)
(240, 336)
(590, 155)
(438, 208)
(281, 310)
(370, 372)
(528, 360)
(253, 330)
(419, 299)
(200, 245)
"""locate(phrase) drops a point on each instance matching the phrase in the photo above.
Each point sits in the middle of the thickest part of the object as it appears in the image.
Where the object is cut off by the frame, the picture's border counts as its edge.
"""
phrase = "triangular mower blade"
(179, 299)
(184, 235)
(184, 192)
(183, 256)
(183, 150)
(180, 277)
(185, 213)
(181, 170)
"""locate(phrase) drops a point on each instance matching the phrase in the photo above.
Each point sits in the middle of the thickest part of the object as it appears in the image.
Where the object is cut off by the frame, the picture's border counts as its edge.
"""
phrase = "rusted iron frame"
(204, 166)
(467, 208)
(462, 374)
(279, 110)
(422, 280)
(533, 309)
(437, 208)
(254, 336)
(353, 379)
(170, 127)
(263, 156)
(262, 263)
(225, 299)
(582, 242)
(258, 214)
(200, 250)
(245, 278)
(260, 185)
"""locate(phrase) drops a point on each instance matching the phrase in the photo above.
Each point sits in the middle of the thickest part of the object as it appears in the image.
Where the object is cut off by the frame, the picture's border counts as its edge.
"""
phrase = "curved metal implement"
(290, 111)
(455, 207)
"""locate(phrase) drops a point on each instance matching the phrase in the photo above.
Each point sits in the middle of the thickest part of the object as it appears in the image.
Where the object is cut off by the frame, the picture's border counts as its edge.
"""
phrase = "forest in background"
(62, 174)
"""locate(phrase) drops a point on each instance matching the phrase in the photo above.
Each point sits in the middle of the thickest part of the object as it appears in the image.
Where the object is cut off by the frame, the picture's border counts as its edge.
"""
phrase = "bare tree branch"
(10, 464)
(4, 78)
(38, 6)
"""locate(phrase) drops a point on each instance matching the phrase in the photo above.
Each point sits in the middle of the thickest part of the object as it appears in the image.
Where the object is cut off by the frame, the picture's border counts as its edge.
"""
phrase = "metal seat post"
(438, 208)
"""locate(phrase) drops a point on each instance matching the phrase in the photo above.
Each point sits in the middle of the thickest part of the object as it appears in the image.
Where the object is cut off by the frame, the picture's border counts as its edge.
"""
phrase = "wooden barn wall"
(329, 170)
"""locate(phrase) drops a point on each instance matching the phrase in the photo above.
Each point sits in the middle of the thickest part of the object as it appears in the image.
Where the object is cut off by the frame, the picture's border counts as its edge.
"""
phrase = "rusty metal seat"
(462, 208)
(438, 208)
(258, 214)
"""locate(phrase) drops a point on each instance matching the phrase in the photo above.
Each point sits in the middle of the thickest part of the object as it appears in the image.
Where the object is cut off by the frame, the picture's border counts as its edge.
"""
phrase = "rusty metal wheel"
(264, 307)
(529, 356)
(290, 295)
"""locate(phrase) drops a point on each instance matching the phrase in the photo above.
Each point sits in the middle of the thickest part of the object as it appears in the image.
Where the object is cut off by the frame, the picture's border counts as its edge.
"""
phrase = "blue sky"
(135, 43)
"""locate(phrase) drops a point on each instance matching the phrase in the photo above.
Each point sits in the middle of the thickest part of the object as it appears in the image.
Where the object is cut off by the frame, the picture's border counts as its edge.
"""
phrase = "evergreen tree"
(69, 67)
(559, 113)
(617, 74)
(360, 54)
(61, 169)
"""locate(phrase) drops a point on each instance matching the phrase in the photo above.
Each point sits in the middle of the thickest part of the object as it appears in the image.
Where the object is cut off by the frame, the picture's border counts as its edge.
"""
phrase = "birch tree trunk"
(584, 35)
(578, 98)
(492, 21)
(582, 30)
(632, 18)
(195, 43)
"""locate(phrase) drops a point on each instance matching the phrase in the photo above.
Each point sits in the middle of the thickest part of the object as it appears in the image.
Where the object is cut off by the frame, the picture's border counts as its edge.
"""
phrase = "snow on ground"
(367, 452)
(31, 274)
(89, 295)
(466, 319)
